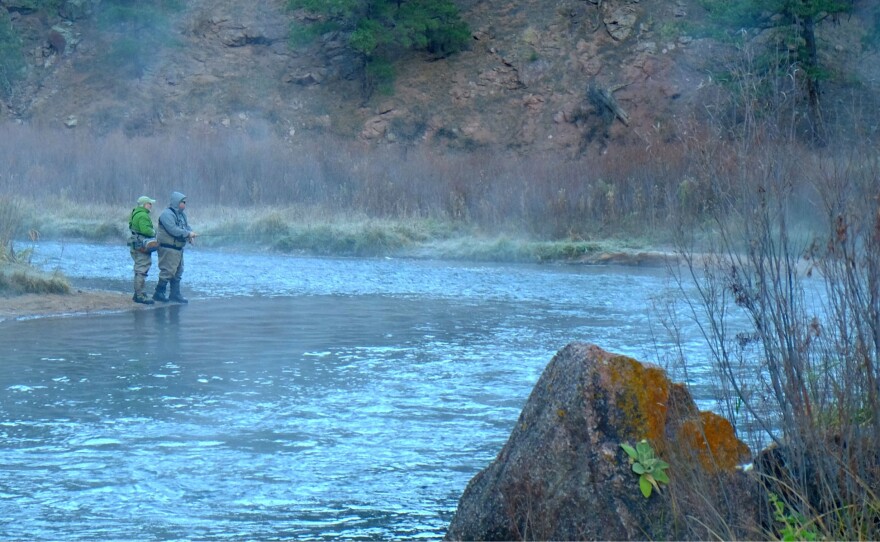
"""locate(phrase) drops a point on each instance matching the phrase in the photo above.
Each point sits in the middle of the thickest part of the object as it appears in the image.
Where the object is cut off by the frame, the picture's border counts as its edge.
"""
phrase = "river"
(293, 397)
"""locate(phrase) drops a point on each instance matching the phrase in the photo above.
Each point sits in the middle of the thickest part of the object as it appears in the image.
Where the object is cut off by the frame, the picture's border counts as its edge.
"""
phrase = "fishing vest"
(166, 239)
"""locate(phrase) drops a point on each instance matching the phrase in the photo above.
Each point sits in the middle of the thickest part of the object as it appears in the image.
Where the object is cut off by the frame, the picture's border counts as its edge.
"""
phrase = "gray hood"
(176, 198)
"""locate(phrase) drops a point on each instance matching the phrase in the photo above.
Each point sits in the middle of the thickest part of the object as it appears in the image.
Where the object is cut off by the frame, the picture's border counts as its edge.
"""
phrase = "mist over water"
(293, 397)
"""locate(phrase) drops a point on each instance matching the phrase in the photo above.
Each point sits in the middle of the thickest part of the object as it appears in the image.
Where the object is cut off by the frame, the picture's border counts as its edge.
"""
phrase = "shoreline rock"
(562, 474)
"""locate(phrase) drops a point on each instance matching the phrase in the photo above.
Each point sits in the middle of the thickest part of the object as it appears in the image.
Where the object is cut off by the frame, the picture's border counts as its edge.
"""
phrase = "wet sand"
(78, 302)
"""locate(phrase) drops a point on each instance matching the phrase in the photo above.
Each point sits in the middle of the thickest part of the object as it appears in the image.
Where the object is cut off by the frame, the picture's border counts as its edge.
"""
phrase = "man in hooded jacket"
(173, 234)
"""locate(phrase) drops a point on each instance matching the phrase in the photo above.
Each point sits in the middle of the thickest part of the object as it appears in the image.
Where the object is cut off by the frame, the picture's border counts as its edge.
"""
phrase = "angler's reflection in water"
(167, 322)
(144, 339)
(169, 315)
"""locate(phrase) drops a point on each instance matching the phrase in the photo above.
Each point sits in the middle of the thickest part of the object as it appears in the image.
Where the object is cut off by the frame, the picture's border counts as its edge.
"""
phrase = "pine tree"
(804, 15)
(795, 22)
(379, 29)
(11, 59)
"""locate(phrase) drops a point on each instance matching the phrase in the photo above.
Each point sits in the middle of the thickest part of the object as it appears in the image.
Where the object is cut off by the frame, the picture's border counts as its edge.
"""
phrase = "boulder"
(620, 22)
(70, 38)
(306, 78)
(562, 475)
(375, 127)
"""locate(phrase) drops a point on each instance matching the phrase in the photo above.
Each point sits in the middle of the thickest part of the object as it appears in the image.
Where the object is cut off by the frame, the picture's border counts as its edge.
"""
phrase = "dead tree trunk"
(604, 99)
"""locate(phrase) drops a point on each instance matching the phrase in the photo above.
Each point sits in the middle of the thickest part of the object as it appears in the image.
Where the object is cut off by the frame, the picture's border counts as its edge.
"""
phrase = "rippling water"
(293, 397)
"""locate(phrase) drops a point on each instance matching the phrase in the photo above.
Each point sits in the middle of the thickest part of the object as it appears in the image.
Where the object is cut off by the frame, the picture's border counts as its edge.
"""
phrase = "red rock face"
(521, 83)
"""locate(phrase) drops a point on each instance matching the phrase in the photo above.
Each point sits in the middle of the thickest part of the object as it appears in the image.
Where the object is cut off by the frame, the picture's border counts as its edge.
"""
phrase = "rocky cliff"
(536, 77)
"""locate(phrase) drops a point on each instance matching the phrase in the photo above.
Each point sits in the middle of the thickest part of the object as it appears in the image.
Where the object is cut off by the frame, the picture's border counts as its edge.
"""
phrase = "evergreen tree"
(11, 59)
(804, 15)
(378, 29)
(795, 21)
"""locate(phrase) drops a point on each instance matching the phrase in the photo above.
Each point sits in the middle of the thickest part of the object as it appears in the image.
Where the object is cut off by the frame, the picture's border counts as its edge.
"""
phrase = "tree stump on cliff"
(603, 99)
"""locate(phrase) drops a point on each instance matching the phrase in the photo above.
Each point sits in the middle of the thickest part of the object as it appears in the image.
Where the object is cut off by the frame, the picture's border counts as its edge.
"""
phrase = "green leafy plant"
(795, 525)
(650, 468)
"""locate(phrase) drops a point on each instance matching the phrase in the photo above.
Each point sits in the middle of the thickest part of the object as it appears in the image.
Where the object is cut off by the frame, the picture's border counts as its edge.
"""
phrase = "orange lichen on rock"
(644, 404)
(713, 440)
(641, 392)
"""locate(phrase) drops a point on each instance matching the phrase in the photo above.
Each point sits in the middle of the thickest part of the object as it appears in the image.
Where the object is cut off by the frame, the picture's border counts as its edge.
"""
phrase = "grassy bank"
(312, 232)
(291, 229)
(18, 278)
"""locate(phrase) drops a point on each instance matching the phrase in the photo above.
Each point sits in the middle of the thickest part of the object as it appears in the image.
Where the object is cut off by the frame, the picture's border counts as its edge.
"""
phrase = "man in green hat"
(141, 247)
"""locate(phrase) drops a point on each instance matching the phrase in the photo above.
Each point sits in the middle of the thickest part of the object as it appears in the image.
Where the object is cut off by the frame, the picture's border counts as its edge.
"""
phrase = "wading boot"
(142, 298)
(159, 294)
(175, 293)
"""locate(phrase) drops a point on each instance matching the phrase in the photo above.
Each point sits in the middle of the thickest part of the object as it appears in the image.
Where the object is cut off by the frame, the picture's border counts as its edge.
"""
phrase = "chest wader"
(142, 264)
(143, 259)
(170, 246)
(159, 294)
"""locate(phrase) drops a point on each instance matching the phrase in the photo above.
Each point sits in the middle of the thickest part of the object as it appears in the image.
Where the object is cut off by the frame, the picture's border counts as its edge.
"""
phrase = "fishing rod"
(227, 234)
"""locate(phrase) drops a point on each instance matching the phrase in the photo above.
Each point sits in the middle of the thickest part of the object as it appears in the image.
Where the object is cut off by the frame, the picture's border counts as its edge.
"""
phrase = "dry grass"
(547, 198)
(23, 279)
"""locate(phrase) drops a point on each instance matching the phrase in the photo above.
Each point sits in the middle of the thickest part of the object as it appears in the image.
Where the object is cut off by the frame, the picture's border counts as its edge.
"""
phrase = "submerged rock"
(562, 474)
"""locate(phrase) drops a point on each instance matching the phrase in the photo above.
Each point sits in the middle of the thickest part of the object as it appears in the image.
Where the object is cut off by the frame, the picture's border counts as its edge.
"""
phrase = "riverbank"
(291, 231)
(77, 302)
(317, 231)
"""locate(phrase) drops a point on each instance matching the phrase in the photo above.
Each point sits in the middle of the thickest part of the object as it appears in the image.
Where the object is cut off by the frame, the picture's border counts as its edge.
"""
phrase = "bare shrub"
(631, 193)
(10, 223)
(786, 287)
